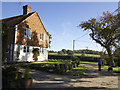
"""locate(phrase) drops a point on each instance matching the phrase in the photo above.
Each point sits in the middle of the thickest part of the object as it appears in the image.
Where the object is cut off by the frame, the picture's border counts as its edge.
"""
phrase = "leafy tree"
(104, 30)
(5, 31)
(64, 51)
(50, 37)
(69, 52)
(60, 52)
(117, 52)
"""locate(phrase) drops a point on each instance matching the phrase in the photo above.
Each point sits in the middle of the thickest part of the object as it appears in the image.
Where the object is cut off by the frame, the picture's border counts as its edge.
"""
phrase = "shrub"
(69, 52)
(36, 57)
(36, 53)
(62, 69)
(70, 66)
(27, 73)
(66, 57)
(66, 67)
(60, 53)
(73, 64)
(58, 67)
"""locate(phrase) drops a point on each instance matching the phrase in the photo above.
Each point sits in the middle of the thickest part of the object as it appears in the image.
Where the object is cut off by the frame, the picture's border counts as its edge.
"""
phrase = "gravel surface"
(92, 79)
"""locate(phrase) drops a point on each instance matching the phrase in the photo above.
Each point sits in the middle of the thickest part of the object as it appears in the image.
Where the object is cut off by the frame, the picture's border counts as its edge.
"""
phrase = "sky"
(61, 20)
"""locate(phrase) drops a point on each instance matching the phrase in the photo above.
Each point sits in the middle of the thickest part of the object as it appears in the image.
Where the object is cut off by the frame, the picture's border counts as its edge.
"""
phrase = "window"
(26, 49)
(27, 33)
(42, 50)
(42, 37)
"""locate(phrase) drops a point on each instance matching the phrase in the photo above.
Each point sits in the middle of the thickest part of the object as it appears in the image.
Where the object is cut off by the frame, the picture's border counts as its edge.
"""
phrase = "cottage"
(26, 32)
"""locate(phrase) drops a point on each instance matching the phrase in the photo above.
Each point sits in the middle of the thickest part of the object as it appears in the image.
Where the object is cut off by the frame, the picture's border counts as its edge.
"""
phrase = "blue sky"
(61, 20)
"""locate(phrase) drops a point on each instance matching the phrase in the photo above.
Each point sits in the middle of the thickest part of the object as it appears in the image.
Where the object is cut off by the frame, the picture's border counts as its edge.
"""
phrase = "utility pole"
(73, 46)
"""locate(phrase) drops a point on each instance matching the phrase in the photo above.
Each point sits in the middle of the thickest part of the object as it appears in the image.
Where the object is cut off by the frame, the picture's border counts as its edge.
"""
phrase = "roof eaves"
(26, 18)
(41, 22)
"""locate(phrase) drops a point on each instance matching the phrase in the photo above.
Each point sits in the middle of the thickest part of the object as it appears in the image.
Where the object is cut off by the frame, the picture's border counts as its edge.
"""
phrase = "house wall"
(36, 27)
(9, 53)
(28, 56)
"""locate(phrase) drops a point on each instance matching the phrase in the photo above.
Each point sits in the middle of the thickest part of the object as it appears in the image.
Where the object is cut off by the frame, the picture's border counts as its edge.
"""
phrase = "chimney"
(26, 9)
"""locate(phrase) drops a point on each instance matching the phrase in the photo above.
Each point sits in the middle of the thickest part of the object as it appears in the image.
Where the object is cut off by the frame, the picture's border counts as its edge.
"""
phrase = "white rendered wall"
(28, 56)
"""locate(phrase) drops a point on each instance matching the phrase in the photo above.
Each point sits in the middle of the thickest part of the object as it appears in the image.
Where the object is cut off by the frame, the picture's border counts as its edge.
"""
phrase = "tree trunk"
(111, 60)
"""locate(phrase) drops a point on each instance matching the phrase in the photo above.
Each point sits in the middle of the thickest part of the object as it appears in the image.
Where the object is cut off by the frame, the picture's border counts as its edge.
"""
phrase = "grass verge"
(106, 67)
(114, 68)
(78, 71)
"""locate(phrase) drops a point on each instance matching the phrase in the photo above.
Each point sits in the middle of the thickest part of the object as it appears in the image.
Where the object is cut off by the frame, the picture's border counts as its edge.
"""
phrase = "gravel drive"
(92, 79)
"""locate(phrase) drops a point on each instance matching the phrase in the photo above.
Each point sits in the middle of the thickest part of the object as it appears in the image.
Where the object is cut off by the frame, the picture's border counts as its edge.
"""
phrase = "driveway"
(92, 79)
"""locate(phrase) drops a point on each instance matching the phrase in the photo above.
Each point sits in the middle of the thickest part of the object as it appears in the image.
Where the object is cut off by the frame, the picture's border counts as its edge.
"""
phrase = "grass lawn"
(85, 62)
(80, 70)
(106, 67)
(46, 66)
(114, 68)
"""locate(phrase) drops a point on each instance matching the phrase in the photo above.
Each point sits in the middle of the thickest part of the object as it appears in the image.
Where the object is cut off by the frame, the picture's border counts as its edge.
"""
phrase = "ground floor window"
(26, 49)
(41, 50)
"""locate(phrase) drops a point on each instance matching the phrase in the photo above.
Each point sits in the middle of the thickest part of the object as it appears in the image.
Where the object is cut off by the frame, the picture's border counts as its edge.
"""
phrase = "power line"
(85, 41)
(81, 36)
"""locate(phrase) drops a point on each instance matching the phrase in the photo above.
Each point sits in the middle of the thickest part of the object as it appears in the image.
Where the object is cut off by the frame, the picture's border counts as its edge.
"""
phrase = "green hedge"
(63, 57)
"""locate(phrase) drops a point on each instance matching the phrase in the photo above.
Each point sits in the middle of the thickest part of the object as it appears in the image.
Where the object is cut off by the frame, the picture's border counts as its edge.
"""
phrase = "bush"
(36, 57)
(62, 69)
(70, 52)
(36, 53)
(70, 66)
(60, 52)
(27, 73)
(67, 57)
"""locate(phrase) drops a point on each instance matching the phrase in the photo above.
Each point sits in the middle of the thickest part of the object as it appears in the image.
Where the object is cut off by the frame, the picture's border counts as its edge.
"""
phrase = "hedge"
(63, 57)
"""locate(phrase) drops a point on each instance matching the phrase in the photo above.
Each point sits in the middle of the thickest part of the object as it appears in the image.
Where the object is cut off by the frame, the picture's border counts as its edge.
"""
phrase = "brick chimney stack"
(26, 9)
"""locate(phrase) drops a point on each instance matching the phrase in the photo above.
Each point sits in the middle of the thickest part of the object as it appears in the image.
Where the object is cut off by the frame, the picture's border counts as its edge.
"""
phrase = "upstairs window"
(42, 37)
(27, 33)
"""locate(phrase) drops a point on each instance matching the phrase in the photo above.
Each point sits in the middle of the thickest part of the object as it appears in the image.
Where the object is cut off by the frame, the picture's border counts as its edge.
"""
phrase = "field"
(87, 55)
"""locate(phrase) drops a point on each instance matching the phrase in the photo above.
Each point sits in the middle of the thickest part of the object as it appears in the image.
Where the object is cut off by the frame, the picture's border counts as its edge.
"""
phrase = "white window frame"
(42, 37)
(27, 33)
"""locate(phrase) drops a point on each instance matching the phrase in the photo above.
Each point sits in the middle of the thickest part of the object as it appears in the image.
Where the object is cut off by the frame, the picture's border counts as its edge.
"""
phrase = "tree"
(69, 52)
(104, 31)
(64, 51)
(117, 52)
(50, 37)
(5, 31)
(60, 52)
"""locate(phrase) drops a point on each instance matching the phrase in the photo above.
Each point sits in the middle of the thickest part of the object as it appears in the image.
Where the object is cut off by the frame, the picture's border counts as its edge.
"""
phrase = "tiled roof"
(12, 21)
